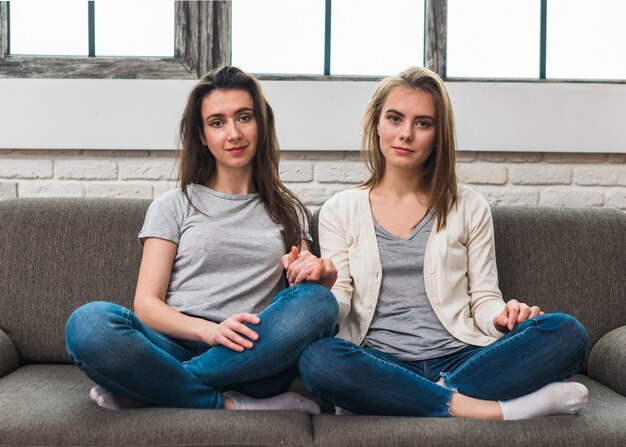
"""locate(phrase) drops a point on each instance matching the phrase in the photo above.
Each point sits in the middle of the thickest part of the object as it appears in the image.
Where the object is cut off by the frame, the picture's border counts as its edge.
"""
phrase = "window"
(586, 40)
(200, 29)
(92, 28)
(472, 39)
(370, 37)
(278, 36)
(32, 32)
(536, 39)
(127, 29)
(493, 38)
(341, 37)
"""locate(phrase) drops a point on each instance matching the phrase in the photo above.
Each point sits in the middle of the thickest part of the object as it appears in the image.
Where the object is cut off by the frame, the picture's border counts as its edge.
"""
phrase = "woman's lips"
(236, 150)
(401, 150)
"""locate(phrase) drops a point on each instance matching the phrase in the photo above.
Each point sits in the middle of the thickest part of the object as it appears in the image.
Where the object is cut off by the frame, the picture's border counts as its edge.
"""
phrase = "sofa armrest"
(9, 360)
(607, 360)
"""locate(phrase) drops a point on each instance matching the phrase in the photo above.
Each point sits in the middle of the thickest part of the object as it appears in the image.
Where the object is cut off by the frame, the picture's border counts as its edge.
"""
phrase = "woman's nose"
(233, 132)
(406, 134)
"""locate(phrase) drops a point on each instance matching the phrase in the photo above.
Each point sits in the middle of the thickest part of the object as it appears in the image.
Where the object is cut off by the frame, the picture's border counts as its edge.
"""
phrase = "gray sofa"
(56, 254)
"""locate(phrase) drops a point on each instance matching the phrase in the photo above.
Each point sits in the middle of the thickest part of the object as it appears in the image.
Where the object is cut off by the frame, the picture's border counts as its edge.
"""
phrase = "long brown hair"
(197, 164)
(439, 176)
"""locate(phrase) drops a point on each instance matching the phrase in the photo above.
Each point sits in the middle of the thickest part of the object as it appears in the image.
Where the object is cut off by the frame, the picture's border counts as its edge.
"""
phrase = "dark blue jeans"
(539, 351)
(119, 353)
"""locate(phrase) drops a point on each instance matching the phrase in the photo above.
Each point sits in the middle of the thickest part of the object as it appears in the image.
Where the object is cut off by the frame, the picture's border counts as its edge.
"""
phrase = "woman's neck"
(400, 183)
(232, 182)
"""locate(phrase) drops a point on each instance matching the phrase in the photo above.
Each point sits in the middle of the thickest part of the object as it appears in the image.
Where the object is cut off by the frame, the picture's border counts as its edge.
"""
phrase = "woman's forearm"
(163, 318)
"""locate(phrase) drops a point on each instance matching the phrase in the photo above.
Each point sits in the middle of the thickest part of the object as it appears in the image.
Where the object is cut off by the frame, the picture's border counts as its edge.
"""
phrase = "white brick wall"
(549, 179)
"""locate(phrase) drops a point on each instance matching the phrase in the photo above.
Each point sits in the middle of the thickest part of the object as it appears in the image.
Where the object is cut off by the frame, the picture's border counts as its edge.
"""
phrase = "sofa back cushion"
(56, 254)
(569, 260)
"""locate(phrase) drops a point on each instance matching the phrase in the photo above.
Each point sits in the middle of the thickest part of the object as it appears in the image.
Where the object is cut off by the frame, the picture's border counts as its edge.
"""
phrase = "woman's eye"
(394, 119)
(245, 118)
(216, 123)
(423, 124)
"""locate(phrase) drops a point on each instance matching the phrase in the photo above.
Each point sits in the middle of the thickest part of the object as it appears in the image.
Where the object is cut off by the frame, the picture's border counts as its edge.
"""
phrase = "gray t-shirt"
(405, 324)
(227, 261)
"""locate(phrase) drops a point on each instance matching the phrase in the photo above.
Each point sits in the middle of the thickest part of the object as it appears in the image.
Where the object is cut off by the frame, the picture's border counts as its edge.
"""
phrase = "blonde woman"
(423, 327)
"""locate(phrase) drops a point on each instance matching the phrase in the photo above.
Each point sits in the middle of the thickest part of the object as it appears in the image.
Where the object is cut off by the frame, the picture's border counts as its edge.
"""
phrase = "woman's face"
(406, 128)
(229, 128)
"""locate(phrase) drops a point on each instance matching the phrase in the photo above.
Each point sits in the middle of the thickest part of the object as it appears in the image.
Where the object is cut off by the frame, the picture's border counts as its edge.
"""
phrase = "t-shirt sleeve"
(161, 221)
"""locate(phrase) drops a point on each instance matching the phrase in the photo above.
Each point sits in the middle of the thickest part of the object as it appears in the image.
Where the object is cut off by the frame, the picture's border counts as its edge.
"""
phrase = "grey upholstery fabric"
(607, 361)
(9, 360)
(600, 424)
(57, 254)
(49, 405)
(569, 260)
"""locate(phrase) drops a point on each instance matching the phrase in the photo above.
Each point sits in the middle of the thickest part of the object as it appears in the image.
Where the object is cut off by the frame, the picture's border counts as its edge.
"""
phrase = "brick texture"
(601, 175)
(523, 178)
(97, 169)
(573, 198)
(25, 168)
(346, 172)
(126, 191)
(540, 175)
(296, 171)
(50, 189)
(482, 173)
(8, 190)
(148, 169)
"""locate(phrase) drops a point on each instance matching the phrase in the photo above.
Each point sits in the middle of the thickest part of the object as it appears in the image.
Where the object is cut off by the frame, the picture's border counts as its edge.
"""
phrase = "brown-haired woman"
(213, 257)
(423, 328)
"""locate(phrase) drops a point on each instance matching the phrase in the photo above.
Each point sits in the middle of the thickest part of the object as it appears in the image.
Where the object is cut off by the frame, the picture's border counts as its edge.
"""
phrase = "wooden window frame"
(435, 20)
(202, 41)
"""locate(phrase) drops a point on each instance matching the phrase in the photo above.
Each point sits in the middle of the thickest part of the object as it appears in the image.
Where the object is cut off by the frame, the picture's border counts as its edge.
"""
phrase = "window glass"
(493, 38)
(49, 28)
(278, 36)
(134, 28)
(370, 37)
(586, 40)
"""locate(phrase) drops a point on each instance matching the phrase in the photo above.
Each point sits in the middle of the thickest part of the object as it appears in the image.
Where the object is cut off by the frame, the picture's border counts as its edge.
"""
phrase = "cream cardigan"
(459, 266)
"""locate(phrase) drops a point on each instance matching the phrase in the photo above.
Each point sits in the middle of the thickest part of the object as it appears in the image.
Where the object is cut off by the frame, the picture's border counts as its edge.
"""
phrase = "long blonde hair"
(439, 176)
(197, 163)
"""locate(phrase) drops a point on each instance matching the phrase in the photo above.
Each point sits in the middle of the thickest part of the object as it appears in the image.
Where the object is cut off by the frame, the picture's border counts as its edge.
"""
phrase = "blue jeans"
(119, 353)
(539, 351)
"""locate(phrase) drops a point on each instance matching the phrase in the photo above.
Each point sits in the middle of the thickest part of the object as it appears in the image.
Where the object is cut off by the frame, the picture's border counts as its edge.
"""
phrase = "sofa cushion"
(57, 254)
(601, 423)
(569, 260)
(50, 405)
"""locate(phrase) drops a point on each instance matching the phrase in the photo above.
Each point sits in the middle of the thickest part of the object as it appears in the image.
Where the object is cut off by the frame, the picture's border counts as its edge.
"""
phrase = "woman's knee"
(87, 326)
(325, 301)
(317, 299)
(569, 331)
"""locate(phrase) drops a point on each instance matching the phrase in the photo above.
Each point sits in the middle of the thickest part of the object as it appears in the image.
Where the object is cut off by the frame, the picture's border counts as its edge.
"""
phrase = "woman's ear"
(201, 135)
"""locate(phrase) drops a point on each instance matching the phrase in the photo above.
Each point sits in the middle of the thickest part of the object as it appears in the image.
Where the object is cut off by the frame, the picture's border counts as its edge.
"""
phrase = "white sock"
(342, 411)
(554, 398)
(110, 401)
(285, 401)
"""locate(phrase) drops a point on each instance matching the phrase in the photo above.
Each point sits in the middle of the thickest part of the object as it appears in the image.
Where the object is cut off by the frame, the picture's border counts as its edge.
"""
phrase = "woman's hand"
(514, 312)
(305, 266)
(233, 333)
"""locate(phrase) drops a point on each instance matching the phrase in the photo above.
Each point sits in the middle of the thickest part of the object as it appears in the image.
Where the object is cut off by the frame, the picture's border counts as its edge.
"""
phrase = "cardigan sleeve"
(334, 246)
(485, 297)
